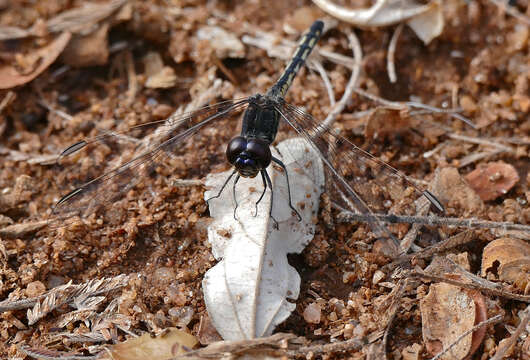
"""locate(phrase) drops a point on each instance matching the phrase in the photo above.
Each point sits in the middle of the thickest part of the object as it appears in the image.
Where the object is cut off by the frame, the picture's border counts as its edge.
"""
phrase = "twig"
(390, 65)
(352, 83)
(471, 158)
(490, 321)
(348, 345)
(51, 109)
(470, 281)
(347, 216)
(131, 78)
(10, 96)
(325, 79)
(186, 182)
(413, 104)
(456, 240)
(476, 140)
(46, 354)
(501, 351)
(396, 295)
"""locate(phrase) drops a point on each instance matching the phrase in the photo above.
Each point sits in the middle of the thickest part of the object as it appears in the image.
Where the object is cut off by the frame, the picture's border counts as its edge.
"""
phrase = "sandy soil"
(157, 232)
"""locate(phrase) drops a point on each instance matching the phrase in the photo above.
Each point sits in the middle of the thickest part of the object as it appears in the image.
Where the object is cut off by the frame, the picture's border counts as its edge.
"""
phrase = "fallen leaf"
(493, 179)
(447, 311)
(426, 20)
(454, 192)
(165, 346)
(88, 50)
(509, 259)
(10, 76)
(225, 44)
(248, 296)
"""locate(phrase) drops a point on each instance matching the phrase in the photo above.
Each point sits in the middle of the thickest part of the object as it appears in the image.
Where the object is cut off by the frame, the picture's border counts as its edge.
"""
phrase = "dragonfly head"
(249, 156)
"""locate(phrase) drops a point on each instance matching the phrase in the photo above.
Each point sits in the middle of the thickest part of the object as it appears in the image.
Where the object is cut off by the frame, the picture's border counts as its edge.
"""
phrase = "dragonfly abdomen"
(307, 43)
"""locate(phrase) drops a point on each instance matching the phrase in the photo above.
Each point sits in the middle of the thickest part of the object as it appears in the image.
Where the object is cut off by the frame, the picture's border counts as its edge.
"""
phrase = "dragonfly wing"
(362, 183)
(109, 187)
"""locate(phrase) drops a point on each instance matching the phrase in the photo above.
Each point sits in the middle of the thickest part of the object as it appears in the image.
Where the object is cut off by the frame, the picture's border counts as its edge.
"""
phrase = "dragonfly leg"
(277, 161)
(222, 187)
(269, 183)
(234, 195)
(263, 193)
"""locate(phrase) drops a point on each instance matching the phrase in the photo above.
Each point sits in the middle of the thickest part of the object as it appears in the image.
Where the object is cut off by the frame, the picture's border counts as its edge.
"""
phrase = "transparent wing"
(165, 141)
(362, 183)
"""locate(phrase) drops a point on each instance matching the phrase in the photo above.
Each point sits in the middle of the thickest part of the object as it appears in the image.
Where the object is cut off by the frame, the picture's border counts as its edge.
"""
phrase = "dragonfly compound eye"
(235, 147)
(259, 151)
(248, 156)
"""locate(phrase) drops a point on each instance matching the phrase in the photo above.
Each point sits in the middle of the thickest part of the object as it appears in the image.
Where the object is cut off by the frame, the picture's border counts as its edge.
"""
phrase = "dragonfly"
(249, 153)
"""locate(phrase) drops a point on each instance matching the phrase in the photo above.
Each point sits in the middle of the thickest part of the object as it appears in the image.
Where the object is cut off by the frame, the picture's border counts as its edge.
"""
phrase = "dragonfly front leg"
(278, 161)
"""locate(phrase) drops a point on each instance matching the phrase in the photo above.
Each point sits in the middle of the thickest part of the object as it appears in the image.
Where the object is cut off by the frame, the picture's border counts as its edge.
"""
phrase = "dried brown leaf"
(165, 346)
(492, 180)
(10, 75)
(503, 251)
(447, 311)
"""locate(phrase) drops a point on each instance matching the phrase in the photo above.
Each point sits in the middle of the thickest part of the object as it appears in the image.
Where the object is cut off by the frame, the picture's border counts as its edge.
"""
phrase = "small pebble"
(312, 313)
(35, 288)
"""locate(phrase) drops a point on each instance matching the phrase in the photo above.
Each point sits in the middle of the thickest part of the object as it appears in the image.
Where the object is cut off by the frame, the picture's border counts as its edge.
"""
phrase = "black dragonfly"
(346, 164)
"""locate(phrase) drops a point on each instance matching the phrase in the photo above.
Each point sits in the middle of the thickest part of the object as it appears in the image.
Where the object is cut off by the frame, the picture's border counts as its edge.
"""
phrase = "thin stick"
(413, 104)
(436, 249)
(10, 96)
(352, 83)
(346, 216)
(51, 109)
(420, 274)
(490, 321)
(390, 65)
(131, 77)
(476, 140)
(325, 79)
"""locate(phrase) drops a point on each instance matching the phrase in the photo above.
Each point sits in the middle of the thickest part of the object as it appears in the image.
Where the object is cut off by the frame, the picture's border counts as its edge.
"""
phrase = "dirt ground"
(156, 233)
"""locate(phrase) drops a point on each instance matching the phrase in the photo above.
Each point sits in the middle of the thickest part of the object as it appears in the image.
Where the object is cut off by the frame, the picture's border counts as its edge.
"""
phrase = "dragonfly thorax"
(249, 156)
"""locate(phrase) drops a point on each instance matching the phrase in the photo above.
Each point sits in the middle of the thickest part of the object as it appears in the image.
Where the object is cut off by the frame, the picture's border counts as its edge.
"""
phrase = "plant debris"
(452, 115)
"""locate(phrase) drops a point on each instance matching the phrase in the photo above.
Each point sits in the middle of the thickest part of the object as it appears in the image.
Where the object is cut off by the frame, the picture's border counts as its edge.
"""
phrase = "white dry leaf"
(426, 20)
(252, 288)
(225, 44)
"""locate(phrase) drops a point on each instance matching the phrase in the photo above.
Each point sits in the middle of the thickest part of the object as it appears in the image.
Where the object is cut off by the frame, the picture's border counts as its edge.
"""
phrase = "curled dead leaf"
(509, 259)
(165, 346)
(492, 180)
(447, 311)
(426, 20)
(11, 75)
